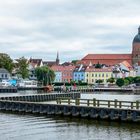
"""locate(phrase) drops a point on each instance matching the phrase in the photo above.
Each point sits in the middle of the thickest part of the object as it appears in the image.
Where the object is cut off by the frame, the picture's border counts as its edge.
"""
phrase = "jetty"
(8, 89)
(70, 104)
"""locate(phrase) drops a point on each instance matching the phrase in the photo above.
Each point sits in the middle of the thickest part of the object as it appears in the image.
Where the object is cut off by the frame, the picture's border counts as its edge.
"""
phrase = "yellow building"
(94, 74)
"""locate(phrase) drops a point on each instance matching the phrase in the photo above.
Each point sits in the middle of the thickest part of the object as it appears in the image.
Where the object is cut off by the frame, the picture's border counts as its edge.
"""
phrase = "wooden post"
(115, 103)
(109, 104)
(77, 101)
(69, 101)
(87, 102)
(131, 105)
(94, 101)
(137, 104)
(57, 101)
(120, 104)
(98, 103)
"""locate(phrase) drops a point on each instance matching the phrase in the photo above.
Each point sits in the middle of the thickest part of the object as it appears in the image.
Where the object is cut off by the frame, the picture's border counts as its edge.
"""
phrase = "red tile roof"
(62, 68)
(35, 61)
(90, 69)
(107, 56)
(126, 64)
(108, 59)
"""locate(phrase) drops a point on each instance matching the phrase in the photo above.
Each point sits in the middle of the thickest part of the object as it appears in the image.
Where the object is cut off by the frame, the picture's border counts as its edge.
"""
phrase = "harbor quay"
(70, 104)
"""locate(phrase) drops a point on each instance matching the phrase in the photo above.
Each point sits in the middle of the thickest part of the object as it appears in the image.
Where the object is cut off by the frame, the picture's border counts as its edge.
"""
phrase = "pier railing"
(100, 103)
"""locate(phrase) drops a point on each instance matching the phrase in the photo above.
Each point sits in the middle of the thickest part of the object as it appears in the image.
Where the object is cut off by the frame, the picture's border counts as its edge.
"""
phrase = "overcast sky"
(40, 28)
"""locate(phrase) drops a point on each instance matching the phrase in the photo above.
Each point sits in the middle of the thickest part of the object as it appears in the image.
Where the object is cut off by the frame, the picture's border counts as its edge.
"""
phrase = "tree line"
(44, 74)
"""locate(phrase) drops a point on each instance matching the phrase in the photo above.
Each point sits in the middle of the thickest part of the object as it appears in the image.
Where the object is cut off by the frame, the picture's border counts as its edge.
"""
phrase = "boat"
(27, 84)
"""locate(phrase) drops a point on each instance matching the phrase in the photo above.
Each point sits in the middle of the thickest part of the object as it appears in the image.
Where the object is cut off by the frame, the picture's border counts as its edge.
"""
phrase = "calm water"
(32, 127)
(26, 127)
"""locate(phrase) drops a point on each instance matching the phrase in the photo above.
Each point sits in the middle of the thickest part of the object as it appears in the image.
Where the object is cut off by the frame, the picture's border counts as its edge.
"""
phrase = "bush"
(120, 82)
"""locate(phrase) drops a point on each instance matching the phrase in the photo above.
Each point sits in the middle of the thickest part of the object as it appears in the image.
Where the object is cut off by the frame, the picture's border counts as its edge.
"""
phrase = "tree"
(23, 67)
(99, 81)
(111, 80)
(120, 82)
(45, 75)
(6, 62)
(130, 79)
(74, 61)
(98, 66)
(137, 79)
(126, 82)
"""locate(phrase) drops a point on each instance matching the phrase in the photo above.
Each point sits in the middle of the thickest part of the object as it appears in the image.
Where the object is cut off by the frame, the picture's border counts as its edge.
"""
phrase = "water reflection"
(23, 127)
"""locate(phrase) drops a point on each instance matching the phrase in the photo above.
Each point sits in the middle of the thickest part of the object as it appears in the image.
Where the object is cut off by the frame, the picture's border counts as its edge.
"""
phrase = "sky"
(74, 28)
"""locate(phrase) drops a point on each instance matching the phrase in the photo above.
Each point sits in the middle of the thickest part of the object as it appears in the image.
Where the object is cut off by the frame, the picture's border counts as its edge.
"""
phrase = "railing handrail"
(101, 103)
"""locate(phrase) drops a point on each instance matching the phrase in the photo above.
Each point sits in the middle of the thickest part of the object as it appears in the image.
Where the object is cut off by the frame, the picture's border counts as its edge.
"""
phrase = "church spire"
(57, 58)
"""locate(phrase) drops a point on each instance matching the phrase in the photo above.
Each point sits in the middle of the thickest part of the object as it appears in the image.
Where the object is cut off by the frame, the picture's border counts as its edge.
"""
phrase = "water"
(27, 127)
(33, 127)
(111, 96)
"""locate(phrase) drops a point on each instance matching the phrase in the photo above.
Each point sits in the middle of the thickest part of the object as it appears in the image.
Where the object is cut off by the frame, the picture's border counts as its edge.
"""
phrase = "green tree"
(74, 62)
(45, 75)
(137, 79)
(99, 81)
(23, 67)
(120, 82)
(130, 79)
(111, 80)
(6, 62)
(126, 82)
(98, 66)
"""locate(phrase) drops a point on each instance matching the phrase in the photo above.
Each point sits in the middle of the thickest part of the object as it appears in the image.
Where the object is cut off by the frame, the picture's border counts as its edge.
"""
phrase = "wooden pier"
(8, 89)
(70, 104)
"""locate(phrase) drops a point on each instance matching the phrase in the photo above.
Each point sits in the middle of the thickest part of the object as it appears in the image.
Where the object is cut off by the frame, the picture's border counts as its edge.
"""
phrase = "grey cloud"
(45, 27)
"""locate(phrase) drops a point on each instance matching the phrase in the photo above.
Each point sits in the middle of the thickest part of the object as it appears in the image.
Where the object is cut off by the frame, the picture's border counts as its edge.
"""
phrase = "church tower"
(136, 48)
(57, 59)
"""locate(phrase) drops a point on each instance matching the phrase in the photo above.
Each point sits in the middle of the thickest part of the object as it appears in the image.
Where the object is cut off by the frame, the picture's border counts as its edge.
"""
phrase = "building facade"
(79, 73)
(4, 74)
(63, 73)
(92, 75)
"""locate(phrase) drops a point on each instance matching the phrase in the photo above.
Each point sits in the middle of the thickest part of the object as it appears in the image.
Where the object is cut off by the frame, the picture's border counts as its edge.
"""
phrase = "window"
(106, 75)
(87, 75)
(5, 75)
(103, 75)
(92, 75)
(95, 75)
(99, 75)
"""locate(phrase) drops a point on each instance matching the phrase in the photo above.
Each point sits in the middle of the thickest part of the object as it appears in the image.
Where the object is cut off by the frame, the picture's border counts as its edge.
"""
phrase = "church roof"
(107, 56)
(137, 37)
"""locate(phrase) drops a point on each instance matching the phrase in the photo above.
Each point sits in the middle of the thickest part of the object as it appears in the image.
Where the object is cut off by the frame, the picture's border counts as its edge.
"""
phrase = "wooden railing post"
(115, 103)
(120, 104)
(109, 104)
(57, 101)
(94, 101)
(131, 105)
(98, 103)
(77, 101)
(87, 102)
(137, 104)
(69, 101)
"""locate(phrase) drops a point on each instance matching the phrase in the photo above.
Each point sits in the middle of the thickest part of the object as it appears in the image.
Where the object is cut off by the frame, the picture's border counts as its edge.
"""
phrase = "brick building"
(113, 59)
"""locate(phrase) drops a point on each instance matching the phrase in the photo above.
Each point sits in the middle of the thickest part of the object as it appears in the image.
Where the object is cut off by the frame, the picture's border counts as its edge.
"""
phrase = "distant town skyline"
(74, 28)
